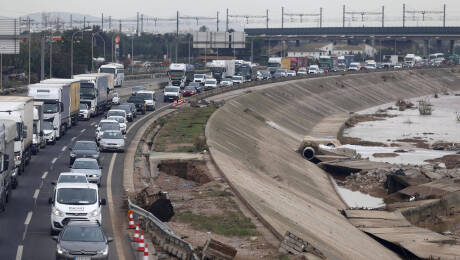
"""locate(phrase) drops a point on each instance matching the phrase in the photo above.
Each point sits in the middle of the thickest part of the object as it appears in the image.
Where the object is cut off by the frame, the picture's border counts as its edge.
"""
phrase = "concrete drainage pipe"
(308, 153)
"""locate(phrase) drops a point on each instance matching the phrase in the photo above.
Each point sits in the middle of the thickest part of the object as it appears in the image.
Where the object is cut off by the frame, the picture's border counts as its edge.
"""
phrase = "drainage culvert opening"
(190, 170)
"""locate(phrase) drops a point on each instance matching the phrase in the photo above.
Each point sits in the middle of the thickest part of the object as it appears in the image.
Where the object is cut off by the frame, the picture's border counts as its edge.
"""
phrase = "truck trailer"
(74, 85)
(94, 91)
(222, 69)
(20, 110)
(8, 170)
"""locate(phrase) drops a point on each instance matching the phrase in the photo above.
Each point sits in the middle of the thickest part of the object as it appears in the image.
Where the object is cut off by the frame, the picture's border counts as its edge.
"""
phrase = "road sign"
(222, 40)
(9, 41)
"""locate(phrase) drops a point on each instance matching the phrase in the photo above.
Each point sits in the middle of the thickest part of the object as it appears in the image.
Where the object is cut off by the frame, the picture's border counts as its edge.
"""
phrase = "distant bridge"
(420, 33)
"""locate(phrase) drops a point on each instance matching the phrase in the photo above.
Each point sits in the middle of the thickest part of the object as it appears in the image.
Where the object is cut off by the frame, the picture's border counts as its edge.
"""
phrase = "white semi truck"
(8, 170)
(21, 111)
(180, 74)
(222, 69)
(56, 108)
(117, 70)
(94, 89)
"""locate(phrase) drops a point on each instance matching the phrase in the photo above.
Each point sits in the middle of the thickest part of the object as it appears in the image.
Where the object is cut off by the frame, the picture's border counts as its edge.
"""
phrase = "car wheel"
(3, 204)
(14, 183)
(53, 232)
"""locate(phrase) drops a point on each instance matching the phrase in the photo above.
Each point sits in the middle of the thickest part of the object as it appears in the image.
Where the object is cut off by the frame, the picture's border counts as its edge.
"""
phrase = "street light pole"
(51, 53)
(92, 46)
(71, 49)
(113, 47)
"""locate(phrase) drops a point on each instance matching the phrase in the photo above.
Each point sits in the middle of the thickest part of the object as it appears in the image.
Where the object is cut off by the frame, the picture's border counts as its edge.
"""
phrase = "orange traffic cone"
(146, 252)
(136, 234)
(131, 219)
(141, 245)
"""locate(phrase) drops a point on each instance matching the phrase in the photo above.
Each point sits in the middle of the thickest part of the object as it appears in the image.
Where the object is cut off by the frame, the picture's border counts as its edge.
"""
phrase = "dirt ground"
(209, 204)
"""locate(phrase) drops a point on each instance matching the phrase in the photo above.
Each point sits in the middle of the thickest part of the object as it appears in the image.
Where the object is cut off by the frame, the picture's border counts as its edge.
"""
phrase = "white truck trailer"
(38, 139)
(8, 170)
(94, 89)
(20, 110)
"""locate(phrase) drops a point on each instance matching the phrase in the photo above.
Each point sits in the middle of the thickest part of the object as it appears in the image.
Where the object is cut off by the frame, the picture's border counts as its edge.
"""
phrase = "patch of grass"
(229, 224)
(184, 127)
(219, 193)
(283, 257)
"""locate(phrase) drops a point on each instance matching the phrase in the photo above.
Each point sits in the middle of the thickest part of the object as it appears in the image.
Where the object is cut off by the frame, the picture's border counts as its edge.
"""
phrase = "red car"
(189, 91)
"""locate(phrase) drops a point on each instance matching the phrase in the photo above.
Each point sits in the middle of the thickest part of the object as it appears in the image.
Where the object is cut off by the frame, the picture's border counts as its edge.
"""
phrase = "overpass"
(416, 33)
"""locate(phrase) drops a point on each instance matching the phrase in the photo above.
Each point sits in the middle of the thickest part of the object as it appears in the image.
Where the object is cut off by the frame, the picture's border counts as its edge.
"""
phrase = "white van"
(74, 201)
(149, 98)
(117, 70)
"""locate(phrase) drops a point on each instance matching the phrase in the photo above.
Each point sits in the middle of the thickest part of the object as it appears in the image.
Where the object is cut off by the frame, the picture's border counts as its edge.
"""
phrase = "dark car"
(139, 103)
(82, 240)
(197, 86)
(84, 149)
(129, 112)
(189, 91)
(133, 108)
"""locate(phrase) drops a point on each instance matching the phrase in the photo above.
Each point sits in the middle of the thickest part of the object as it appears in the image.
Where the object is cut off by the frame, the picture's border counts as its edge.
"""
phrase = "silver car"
(112, 141)
(90, 167)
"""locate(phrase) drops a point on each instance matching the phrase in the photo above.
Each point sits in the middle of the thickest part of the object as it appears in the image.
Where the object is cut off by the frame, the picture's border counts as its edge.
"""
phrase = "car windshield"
(116, 113)
(189, 88)
(145, 95)
(135, 99)
(127, 108)
(194, 84)
(82, 234)
(117, 118)
(85, 164)
(72, 179)
(112, 135)
(49, 108)
(280, 71)
(76, 196)
(110, 126)
(238, 78)
(211, 81)
(83, 106)
(107, 70)
(136, 89)
(85, 146)
(47, 125)
(115, 94)
(171, 89)
(199, 76)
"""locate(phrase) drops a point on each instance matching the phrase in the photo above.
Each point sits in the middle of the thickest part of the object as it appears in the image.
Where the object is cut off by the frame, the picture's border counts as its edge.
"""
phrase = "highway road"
(26, 222)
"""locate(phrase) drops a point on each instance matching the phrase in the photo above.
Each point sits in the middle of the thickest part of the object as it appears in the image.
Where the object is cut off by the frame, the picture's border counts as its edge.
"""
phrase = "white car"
(117, 112)
(48, 132)
(302, 71)
(121, 121)
(116, 99)
(313, 69)
(354, 66)
(200, 78)
(238, 79)
(171, 93)
(226, 82)
(112, 141)
(74, 200)
(291, 73)
(84, 113)
(105, 125)
(149, 98)
(210, 84)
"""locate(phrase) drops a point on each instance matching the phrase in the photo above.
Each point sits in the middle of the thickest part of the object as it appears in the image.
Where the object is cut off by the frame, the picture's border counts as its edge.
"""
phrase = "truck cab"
(38, 140)
(117, 70)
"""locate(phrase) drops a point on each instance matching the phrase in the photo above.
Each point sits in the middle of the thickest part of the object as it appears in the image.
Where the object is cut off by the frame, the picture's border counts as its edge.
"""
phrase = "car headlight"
(60, 250)
(73, 155)
(58, 213)
(95, 155)
(104, 252)
(94, 213)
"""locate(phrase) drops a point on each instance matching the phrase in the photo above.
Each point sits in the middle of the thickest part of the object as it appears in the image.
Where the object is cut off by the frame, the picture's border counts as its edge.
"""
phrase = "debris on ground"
(294, 245)
(214, 249)
(404, 104)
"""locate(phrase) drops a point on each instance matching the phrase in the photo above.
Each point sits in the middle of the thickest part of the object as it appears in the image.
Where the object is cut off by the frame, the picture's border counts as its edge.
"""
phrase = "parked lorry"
(20, 110)
(94, 89)
(180, 74)
(222, 69)
(286, 63)
(57, 104)
(74, 85)
(38, 139)
(8, 170)
(117, 70)
(274, 63)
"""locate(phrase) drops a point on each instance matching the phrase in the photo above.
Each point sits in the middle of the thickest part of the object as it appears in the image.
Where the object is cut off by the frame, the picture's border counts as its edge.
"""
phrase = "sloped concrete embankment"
(253, 139)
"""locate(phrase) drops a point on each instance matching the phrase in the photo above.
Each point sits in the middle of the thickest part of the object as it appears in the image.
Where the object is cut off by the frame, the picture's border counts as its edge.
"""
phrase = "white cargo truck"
(222, 69)
(56, 99)
(20, 110)
(180, 74)
(8, 170)
(117, 70)
(94, 89)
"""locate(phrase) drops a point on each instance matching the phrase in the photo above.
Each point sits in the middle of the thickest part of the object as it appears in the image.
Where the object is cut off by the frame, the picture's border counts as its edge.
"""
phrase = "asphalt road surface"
(25, 225)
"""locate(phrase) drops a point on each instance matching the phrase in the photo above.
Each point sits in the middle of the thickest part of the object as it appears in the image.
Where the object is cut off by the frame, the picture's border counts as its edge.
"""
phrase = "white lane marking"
(115, 229)
(83, 130)
(44, 175)
(28, 218)
(19, 252)
(54, 160)
(37, 191)
(63, 148)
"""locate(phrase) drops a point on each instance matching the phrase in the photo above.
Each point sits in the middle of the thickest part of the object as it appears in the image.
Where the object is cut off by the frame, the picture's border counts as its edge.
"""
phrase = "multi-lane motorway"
(25, 225)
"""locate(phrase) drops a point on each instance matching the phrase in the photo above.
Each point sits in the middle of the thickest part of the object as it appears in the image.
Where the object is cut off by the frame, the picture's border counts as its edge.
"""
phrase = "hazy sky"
(332, 9)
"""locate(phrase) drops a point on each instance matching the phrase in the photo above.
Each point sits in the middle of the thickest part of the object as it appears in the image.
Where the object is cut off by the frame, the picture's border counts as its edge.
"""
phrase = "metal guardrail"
(168, 240)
